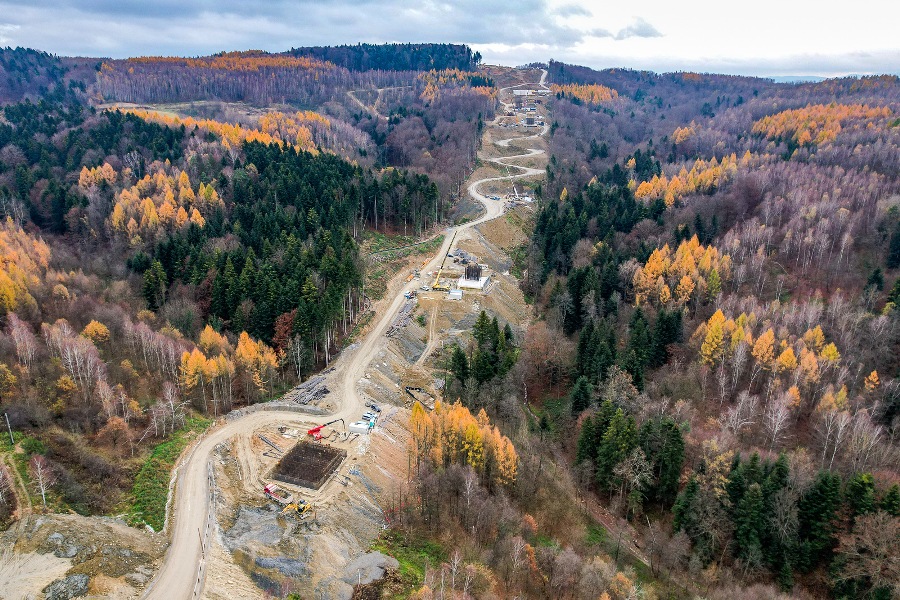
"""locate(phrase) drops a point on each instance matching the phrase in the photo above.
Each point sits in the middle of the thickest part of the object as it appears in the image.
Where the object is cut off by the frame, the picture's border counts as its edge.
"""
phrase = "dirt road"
(180, 577)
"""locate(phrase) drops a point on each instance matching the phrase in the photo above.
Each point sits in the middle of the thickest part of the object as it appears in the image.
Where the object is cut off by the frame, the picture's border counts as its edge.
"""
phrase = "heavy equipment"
(316, 432)
(277, 494)
(436, 286)
(301, 508)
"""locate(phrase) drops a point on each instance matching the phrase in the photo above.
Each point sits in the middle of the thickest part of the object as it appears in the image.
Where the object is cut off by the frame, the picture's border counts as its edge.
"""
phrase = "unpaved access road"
(179, 577)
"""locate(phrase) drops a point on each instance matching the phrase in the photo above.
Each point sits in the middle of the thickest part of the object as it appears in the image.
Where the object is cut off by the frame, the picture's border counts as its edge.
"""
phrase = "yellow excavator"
(301, 508)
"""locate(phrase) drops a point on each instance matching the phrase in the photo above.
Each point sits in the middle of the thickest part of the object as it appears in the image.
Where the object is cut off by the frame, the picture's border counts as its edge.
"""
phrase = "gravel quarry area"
(68, 556)
(324, 554)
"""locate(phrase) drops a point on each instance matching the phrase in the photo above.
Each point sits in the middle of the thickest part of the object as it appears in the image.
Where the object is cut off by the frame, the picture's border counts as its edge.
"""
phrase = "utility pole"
(12, 441)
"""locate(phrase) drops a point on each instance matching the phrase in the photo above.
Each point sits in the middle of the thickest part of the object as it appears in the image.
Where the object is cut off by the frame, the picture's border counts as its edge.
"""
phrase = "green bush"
(33, 446)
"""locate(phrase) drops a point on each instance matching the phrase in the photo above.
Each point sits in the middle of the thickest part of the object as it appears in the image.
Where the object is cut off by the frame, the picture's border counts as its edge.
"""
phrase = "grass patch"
(545, 541)
(596, 535)
(391, 261)
(413, 554)
(374, 241)
(151, 486)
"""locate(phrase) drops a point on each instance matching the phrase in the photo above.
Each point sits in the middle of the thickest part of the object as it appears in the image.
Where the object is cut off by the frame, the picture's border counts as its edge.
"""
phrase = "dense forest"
(395, 57)
(715, 256)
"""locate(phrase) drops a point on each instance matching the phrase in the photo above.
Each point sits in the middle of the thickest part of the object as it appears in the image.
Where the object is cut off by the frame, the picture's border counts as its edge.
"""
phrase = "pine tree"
(861, 494)
(482, 366)
(581, 395)
(890, 502)
(686, 510)
(749, 523)
(587, 442)
(459, 364)
(481, 329)
(618, 441)
(670, 462)
(666, 331)
(155, 284)
(817, 513)
(893, 255)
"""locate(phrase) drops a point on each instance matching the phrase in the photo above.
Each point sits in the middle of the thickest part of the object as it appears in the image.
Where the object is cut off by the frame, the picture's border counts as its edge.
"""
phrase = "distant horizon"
(786, 77)
(770, 39)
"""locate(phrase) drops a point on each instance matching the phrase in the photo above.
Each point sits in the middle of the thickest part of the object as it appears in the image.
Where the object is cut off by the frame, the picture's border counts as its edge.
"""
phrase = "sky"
(762, 37)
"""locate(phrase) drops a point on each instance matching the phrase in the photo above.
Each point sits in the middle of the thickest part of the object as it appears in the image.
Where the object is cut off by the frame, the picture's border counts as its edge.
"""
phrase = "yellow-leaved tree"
(451, 434)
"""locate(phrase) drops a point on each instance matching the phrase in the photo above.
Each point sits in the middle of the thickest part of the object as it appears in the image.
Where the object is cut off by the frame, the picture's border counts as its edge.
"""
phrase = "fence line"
(204, 536)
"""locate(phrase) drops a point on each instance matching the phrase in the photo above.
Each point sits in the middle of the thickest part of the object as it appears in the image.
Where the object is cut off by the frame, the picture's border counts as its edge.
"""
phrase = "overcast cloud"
(767, 37)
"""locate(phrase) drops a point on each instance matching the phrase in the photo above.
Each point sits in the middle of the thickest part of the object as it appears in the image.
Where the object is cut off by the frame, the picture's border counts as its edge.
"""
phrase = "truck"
(277, 494)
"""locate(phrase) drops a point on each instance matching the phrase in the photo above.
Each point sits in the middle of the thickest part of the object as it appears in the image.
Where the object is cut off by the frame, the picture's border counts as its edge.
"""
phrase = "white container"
(359, 427)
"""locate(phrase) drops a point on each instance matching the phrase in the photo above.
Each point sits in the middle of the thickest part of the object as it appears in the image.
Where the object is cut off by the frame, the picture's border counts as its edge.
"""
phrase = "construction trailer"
(361, 427)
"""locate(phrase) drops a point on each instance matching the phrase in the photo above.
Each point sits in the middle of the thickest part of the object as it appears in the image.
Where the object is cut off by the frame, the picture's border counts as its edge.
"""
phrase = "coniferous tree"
(817, 512)
(861, 494)
(619, 439)
(155, 285)
(749, 522)
(893, 255)
(581, 394)
(663, 445)
(890, 502)
(587, 443)
(459, 364)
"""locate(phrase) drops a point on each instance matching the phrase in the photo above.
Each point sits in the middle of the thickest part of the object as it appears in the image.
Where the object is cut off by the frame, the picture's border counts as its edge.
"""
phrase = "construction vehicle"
(436, 286)
(301, 508)
(316, 432)
(277, 494)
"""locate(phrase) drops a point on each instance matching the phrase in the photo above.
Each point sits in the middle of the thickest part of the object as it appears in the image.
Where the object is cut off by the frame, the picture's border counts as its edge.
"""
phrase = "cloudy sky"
(762, 37)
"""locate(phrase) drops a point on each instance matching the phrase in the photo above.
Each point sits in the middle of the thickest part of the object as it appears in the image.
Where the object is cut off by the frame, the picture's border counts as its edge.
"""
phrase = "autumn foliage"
(23, 262)
(704, 177)
(693, 271)
(452, 435)
(589, 94)
(817, 124)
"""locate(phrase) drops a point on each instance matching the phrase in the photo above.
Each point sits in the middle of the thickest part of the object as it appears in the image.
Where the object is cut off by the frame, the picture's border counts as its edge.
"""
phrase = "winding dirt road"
(178, 577)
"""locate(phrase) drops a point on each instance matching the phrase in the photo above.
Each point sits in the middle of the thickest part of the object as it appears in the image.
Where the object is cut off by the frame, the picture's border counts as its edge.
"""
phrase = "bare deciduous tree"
(43, 476)
(776, 417)
(869, 552)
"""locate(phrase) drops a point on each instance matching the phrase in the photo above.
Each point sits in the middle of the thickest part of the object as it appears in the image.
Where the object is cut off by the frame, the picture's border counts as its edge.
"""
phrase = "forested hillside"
(395, 57)
(717, 258)
(159, 269)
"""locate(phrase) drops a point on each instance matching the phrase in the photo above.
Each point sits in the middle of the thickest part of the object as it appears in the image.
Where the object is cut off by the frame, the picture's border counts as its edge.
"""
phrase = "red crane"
(316, 432)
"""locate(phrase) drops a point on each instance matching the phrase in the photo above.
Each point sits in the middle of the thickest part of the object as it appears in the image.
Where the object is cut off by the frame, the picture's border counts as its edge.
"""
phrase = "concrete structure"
(471, 284)
(531, 92)
(455, 294)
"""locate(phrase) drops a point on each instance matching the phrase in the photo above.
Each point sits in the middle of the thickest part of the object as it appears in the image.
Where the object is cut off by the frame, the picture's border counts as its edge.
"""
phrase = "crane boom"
(316, 432)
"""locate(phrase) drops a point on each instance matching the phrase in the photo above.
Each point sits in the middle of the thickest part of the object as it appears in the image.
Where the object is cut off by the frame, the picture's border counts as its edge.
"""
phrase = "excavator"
(301, 508)
(316, 432)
